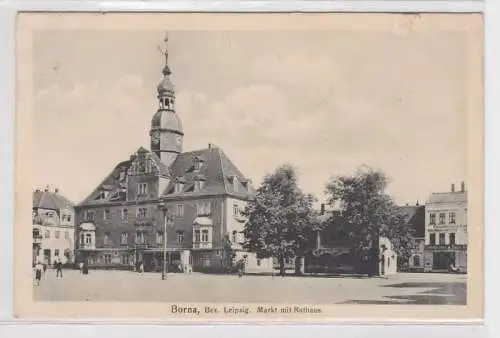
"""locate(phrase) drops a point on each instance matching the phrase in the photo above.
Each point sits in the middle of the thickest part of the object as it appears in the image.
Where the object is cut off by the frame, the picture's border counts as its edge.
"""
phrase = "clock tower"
(166, 127)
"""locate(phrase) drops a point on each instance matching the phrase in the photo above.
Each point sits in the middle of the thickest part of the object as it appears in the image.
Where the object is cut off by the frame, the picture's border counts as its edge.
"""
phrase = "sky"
(325, 102)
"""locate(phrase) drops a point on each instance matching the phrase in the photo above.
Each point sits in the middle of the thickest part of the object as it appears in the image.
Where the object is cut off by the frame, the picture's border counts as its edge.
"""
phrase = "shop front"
(446, 258)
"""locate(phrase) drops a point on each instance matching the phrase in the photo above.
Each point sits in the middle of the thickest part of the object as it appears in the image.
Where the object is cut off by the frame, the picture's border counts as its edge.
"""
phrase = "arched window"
(234, 236)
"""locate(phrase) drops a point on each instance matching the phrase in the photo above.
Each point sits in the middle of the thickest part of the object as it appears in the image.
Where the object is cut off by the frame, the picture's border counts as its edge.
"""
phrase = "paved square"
(128, 286)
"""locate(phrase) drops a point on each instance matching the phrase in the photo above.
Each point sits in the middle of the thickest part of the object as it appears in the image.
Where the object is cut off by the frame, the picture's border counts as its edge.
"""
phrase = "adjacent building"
(196, 196)
(53, 219)
(416, 221)
(446, 230)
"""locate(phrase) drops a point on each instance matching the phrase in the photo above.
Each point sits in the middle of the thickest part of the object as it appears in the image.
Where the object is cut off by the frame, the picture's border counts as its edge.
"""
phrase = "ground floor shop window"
(205, 260)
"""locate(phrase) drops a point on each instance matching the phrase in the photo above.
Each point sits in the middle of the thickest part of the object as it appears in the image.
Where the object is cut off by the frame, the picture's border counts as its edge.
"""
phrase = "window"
(68, 218)
(106, 215)
(204, 236)
(442, 237)
(258, 262)
(452, 238)
(107, 258)
(66, 235)
(452, 217)
(56, 252)
(57, 234)
(180, 237)
(142, 213)
(88, 239)
(203, 209)
(205, 260)
(179, 186)
(106, 238)
(124, 215)
(432, 239)
(159, 237)
(235, 183)
(90, 216)
(198, 185)
(197, 236)
(124, 238)
(236, 210)
(82, 238)
(102, 195)
(140, 238)
(142, 189)
(432, 219)
(47, 234)
(442, 218)
(180, 210)
(234, 236)
(197, 164)
(416, 260)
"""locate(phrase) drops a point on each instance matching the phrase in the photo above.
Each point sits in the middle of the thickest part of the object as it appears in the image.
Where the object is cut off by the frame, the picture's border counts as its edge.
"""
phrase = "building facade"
(192, 201)
(416, 221)
(53, 219)
(446, 236)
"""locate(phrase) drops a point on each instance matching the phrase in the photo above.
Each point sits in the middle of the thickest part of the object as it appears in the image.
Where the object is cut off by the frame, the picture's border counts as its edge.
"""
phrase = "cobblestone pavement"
(128, 286)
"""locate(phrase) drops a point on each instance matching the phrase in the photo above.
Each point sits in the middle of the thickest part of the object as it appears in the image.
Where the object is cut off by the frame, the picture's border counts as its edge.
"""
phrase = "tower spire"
(166, 69)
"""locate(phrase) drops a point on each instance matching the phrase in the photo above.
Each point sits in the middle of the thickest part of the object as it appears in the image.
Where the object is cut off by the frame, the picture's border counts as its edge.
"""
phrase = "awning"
(87, 227)
(206, 221)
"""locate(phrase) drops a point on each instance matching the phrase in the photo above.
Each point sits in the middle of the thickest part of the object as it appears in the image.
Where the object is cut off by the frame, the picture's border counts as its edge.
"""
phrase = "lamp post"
(164, 209)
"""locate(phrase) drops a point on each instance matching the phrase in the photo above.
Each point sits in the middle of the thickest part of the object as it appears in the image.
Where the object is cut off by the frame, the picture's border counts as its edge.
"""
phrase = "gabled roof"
(217, 171)
(50, 200)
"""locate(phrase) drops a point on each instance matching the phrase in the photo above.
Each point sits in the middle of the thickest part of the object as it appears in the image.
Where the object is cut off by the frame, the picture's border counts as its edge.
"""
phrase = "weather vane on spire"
(164, 51)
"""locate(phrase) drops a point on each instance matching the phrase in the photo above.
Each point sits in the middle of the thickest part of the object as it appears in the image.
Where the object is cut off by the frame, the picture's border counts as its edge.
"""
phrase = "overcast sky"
(325, 102)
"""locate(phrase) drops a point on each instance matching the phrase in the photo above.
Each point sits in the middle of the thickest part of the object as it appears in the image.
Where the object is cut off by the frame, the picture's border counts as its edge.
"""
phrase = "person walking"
(80, 265)
(59, 268)
(38, 272)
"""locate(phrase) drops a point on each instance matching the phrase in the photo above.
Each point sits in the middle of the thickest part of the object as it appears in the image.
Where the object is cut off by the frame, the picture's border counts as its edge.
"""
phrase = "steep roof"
(50, 200)
(219, 174)
(416, 218)
(448, 197)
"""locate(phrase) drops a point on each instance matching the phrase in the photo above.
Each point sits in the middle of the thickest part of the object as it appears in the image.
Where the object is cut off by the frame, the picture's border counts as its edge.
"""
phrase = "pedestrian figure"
(59, 268)
(141, 267)
(85, 268)
(44, 268)
(80, 265)
(241, 266)
(38, 272)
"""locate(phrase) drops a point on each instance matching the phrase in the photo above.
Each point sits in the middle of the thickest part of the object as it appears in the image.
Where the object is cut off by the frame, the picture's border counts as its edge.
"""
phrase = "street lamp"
(164, 209)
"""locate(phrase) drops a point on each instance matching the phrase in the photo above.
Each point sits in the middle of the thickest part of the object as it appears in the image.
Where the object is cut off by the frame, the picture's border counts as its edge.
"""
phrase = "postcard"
(214, 167)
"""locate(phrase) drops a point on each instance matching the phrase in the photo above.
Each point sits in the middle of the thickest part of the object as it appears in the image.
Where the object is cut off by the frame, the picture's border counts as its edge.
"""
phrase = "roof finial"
(166, 69)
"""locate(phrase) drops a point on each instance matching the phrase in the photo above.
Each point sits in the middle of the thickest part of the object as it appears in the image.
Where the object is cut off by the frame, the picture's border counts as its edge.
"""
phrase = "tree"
(279, 217)
(228, 255)
(366, 213)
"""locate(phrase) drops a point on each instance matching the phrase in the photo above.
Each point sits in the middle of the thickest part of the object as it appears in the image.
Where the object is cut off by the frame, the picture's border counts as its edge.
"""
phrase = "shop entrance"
(443, 260)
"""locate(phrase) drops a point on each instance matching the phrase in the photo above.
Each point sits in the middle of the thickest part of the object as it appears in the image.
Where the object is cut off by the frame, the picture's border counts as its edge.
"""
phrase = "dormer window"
(234, 181)
(179, 185)
(199, 182)
(197, 163)
(247, 184)
(102, 195)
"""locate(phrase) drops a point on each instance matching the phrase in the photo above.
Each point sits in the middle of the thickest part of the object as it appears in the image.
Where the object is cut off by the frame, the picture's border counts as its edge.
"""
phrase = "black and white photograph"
(304, 167)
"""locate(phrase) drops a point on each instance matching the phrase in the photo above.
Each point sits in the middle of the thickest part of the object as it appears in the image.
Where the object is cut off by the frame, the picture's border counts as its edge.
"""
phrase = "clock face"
(155, 137)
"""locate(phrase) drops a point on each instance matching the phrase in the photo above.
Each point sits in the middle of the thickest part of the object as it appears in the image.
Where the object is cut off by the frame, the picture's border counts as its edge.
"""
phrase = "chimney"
(417, 204)
(462, 186)
(210, 146)
(322, 211)
(56, 190)
(452, 187)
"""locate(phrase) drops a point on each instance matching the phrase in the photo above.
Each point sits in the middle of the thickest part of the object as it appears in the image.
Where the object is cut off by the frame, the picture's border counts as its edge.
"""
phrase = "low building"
(53, 219)
(446, 236)
(332, 254)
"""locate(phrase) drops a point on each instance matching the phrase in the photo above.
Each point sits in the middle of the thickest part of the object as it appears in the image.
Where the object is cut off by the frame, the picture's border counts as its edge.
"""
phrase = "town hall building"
(201, 193)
